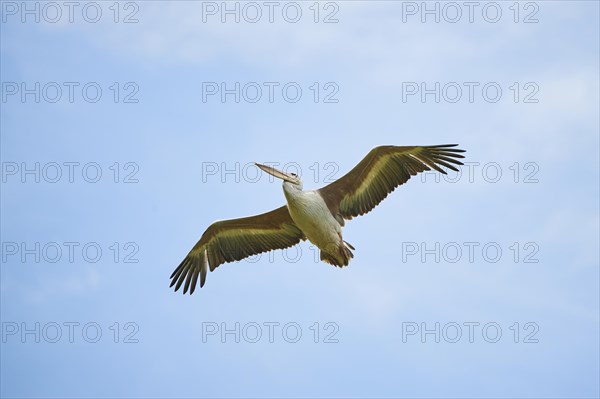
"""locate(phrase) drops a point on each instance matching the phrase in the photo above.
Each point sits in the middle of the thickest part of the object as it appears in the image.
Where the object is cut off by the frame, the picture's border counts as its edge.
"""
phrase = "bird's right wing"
(235, 239)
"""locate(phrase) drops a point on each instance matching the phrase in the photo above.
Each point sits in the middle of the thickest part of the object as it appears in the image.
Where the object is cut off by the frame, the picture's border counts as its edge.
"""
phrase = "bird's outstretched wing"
(235, 239)
(380, 172)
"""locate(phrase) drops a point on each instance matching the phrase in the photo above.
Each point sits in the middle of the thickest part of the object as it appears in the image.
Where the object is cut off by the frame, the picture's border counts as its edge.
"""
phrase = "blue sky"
(541, 294)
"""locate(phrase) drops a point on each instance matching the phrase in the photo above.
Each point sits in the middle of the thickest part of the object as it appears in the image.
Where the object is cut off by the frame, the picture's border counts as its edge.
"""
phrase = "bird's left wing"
(380, 172)
(236, 239)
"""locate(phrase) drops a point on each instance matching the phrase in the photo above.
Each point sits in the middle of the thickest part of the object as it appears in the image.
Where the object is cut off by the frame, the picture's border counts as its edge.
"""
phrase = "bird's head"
(291, 179)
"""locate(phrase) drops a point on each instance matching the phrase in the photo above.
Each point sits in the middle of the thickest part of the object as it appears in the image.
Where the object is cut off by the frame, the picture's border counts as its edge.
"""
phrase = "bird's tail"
(338, 256)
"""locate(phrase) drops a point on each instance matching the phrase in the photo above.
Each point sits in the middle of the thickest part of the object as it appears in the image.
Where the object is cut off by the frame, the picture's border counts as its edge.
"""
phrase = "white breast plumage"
(310, 213)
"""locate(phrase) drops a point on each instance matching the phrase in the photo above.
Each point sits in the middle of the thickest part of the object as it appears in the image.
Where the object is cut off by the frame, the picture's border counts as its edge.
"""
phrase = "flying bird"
(314, 215)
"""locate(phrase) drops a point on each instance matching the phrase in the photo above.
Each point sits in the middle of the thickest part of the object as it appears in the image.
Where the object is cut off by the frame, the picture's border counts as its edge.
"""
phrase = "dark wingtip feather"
(450, 154)
(445, 147)
(180, 281)
(194, 281)
(203, 270)
(446, 164)
(175, 271)
(188, 280)
(179, 272)
(175, 275)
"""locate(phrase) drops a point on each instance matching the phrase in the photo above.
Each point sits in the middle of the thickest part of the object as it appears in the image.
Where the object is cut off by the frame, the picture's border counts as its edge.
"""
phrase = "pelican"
(314, 215)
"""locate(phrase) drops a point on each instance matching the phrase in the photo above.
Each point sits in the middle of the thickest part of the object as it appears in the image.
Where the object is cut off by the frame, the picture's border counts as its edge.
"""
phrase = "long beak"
(277, 173)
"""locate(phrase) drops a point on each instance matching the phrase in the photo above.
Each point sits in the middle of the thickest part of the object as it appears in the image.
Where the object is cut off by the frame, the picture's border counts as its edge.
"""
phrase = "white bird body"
(311, 214)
